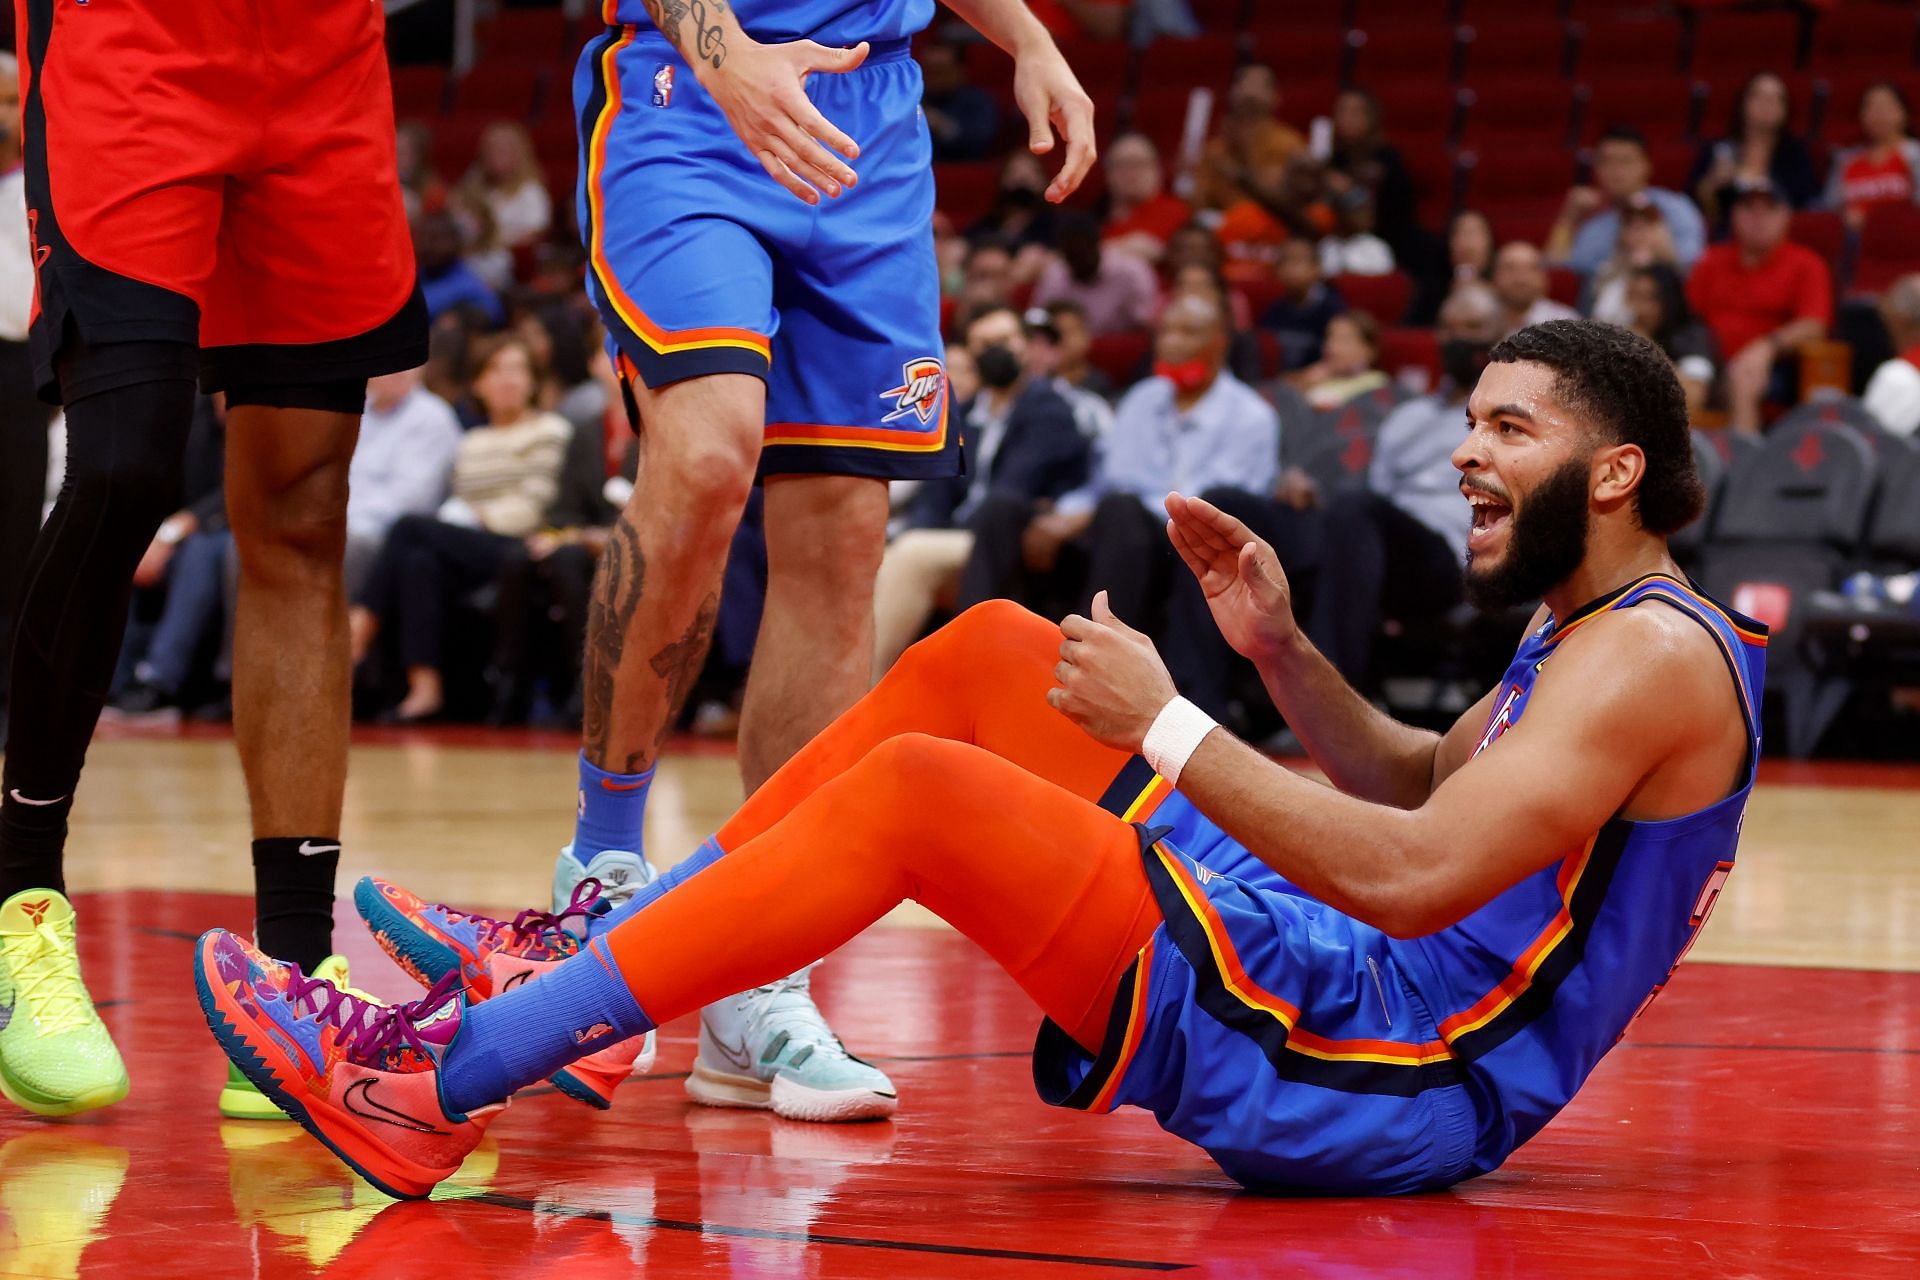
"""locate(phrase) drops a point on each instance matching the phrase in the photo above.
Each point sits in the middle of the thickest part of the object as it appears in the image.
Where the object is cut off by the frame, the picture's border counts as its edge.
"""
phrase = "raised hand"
(1110, 679)
(1050, 97)
(1239, 575)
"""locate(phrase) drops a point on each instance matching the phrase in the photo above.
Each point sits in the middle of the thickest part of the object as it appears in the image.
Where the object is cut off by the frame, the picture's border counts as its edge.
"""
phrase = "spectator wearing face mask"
(1046, 358)
(1024, 450)
(1192, 426)
(1116, 290)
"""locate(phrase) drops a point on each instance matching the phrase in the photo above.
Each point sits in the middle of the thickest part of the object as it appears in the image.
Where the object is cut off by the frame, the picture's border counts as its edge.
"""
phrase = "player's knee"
(990, 627)
(916, 767)
(296, 524)
(711, 467)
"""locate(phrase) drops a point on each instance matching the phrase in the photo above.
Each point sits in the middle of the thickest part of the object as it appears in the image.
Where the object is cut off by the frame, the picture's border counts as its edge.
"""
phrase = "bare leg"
(287, 499)
(814, 657)
(656, 594)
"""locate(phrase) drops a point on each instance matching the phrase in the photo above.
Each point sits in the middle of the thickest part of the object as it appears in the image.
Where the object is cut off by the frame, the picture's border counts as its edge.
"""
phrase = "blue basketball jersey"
(1530, 990)
(1306, 1050)
(831, 22)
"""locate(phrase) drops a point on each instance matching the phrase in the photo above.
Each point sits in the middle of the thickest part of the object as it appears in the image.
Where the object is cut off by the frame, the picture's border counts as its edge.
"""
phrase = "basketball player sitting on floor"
(1380, 988)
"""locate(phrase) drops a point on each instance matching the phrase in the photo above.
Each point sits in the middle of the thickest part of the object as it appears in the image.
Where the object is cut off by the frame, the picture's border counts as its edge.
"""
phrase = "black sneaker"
(143, 700)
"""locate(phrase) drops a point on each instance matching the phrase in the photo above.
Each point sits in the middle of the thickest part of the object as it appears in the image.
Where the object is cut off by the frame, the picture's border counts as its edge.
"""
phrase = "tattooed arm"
(1044, 86)
(761, 89)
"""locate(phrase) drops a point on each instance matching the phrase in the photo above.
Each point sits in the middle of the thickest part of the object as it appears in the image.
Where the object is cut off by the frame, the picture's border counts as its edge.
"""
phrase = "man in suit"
(1023, 451)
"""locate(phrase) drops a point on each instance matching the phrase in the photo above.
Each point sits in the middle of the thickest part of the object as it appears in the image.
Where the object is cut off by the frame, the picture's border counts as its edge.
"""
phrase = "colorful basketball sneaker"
(362, 1077)
(431, 940)
(770, 1048)
(239, 1100)
(56, 1057)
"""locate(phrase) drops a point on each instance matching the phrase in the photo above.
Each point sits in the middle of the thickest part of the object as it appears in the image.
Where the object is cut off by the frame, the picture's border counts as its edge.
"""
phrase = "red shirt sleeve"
(1814, 293)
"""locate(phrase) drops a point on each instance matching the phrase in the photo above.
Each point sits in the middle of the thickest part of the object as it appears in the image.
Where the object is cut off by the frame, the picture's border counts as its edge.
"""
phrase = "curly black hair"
(1625, 387)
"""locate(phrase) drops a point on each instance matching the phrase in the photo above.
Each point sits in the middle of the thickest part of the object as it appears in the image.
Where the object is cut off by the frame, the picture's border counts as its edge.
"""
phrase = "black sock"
(33, 837)
(293, 897)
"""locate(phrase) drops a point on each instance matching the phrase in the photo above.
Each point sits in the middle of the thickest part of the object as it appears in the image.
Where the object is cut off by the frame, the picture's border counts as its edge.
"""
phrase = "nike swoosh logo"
(516, 980)
(38, 804)
(735, 1057)
(309, 848)
(359, 1099)
(608, 784)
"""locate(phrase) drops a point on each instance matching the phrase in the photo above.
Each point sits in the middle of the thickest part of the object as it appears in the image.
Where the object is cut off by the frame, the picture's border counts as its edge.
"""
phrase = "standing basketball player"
(785, 336)
(1379, 986)
(211, 193)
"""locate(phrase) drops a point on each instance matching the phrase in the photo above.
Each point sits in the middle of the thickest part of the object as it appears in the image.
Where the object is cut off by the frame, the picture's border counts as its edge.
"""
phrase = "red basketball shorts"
(220, 174)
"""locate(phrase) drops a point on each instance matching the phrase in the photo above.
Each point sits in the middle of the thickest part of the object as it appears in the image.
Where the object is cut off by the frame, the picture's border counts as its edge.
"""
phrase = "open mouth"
(1490, 516)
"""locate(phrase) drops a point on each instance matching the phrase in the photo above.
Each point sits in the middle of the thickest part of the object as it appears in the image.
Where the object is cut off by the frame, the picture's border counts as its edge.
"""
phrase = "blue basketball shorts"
(1272, 1031)
(700, 263)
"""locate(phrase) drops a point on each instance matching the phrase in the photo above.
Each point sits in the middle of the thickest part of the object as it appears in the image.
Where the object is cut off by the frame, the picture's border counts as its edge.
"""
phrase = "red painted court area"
(1756, 1122)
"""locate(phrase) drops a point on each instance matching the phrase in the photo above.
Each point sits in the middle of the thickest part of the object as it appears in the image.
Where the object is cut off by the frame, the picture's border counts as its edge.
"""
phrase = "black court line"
(180, 934)
(500, 1201)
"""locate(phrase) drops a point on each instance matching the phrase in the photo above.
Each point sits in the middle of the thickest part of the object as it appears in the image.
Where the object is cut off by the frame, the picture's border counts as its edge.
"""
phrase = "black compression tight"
(124, 449)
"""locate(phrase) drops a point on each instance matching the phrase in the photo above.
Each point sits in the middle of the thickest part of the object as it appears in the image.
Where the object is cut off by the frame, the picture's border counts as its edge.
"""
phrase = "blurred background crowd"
(1310, 222)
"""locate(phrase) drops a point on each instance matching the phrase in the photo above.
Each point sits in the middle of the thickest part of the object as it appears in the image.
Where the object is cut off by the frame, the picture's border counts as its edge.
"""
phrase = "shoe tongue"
(30, 908)
(439, 1027)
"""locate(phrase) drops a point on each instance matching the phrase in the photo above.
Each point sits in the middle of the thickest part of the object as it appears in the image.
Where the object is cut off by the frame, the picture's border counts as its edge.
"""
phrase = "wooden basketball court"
(1763, 1118)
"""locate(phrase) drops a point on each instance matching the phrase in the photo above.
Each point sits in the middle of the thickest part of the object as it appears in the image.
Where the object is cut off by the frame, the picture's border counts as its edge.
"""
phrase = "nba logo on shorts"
(663, 86)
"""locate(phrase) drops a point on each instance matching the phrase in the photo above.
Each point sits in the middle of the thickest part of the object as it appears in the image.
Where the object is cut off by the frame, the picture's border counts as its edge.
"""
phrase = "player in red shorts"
(212, 196)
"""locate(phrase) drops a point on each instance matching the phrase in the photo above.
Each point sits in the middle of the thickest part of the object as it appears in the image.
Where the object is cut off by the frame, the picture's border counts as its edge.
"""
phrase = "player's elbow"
(1411, 901)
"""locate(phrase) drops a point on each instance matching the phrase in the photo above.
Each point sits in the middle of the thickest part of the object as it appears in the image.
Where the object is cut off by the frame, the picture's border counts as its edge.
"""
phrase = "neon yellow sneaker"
(56, 1057)
(239, 1100)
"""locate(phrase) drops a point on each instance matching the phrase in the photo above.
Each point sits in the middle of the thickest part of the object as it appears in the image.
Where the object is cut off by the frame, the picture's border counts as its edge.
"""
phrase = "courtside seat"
(1789, 525)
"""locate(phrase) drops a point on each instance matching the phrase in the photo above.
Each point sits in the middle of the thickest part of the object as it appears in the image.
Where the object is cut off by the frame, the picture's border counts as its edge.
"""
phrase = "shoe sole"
(262, 1062)
(426, 960)
(52, 1105)
(248, 1104)
(786, 1099)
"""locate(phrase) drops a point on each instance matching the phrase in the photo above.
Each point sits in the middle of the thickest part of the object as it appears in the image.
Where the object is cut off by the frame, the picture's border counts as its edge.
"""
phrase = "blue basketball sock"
(528, 1032)
(699, 860)
(612, 809)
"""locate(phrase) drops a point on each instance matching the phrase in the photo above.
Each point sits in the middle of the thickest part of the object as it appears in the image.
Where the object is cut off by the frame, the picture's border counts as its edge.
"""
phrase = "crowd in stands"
(1282, 311)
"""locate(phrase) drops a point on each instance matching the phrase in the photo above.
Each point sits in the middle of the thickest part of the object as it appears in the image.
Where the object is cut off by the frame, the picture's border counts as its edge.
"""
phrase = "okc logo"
(922, 382)
(663, 86)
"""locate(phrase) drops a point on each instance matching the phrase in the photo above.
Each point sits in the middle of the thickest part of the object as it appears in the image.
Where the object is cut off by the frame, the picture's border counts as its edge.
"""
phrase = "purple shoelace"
(375, 1028)
(533, 924)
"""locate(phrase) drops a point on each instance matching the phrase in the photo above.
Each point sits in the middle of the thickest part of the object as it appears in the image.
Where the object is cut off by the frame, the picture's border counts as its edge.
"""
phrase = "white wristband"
(1176, 734)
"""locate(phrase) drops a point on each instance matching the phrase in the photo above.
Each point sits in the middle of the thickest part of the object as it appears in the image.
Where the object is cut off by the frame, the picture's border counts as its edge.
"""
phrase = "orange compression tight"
(952, 783)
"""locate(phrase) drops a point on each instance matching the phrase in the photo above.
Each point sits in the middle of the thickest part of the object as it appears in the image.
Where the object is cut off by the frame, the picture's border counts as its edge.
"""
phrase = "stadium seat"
(1722, 98)
(1417, 112)
(1303, 52)
(1822, 231)
(1385, 297)
(1539, 108)
(1564, 285)
(503, 88)
(1792, 518)
(1219, 15)
(1633, 48)
(1402, 349)
(1713, 467)
(1119, 355)
(1206, 60)
(1517, 46)
(1725, 42)
(1865, 36)
(1406, 51)
(419, 91)
(543, 34)
(1335, 446)
(1889, 247)
(964, 191)
(1855, 644)
(1518, 170)
(1659, 107)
